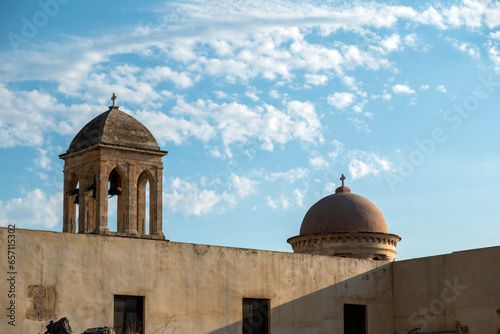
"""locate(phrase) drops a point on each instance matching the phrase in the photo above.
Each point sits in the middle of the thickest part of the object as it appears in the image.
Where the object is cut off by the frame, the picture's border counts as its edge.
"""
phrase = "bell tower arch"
(113, 155)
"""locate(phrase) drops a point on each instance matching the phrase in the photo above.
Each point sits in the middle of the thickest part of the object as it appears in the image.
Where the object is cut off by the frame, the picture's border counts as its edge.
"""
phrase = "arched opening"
(145, 203)
(147, 208)
(72, 203)
(116, 203)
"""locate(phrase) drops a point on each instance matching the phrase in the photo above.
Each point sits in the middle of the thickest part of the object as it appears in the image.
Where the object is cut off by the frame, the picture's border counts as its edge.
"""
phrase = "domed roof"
(343, 212)
(114, 127)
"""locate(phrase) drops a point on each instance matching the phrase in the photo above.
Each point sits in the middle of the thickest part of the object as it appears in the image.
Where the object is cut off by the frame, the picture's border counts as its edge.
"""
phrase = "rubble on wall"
(59, 327)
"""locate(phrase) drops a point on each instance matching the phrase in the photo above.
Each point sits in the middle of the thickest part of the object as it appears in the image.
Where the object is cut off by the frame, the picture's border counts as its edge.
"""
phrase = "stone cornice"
(371, 245)
(342, 237)
(160, 153)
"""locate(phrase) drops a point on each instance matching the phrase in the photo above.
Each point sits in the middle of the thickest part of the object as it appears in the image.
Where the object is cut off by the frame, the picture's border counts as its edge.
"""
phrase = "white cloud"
(340, 100)
(318, 162)
(234, 122)
(424, 87)
(355, 57)
(359, 124)
(329, 188)
(431, 17)
(188, 198)
(33, 114)
(470, 49)
(274, 94)
(338, 147)
(299, 197)
(350, 82)
(36, 208)
(290, 175)
(316, 79)
(263, 31)
(358, 108)
(215, 152)
(298, 121)
(411, 40)
(43, 161)
(384, 95)
(468, 13)
(271, 203)
(359, 169)
(28, 115)
(363, 164)
(282, 202)
(242, 186)
(441, 89)
(402, 89)
(494, 54)
(177, 129)
(495, 35)
(391, 43)
(221, 95)
(252, 94)
(162, 73)
(191, 198)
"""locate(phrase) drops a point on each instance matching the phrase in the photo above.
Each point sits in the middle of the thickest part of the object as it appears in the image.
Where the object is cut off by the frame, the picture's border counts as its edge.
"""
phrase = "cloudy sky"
(262, 105)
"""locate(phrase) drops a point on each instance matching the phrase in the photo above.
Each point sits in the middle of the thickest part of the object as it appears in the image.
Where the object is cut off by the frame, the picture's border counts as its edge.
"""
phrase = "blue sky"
(262, 105)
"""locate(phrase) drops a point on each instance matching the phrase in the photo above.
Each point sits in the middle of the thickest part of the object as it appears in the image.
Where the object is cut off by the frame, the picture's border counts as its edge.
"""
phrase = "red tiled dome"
(343, 212)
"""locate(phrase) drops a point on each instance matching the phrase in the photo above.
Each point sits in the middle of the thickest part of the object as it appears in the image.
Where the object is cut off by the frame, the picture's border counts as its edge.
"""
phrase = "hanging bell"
(92, 187)
(75, 192)
(115, 185)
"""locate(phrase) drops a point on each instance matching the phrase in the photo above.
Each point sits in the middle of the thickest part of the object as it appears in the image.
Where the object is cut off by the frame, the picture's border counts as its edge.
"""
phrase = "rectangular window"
(255, 316)
(128, 314)
(354, 319)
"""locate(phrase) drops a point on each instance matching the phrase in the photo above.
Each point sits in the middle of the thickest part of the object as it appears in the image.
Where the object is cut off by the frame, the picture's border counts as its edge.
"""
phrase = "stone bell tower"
(113, 155)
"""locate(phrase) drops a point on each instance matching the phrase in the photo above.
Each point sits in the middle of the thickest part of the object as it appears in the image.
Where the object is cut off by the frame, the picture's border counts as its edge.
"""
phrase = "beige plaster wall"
(198, 288)
(435, 293)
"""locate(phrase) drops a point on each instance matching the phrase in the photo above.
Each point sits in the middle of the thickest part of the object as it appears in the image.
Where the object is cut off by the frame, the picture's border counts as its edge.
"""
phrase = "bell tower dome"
(113, 155)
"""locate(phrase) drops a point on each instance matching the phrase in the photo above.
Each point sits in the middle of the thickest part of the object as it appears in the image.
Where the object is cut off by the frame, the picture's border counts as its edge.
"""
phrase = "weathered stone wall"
(435, 293)
(194, 288)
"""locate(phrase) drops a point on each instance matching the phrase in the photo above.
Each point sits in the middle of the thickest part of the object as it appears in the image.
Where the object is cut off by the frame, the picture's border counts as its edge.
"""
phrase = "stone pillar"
(67, 203)
(141, 205)
(131, 200)
(156, 218)
(102, 199)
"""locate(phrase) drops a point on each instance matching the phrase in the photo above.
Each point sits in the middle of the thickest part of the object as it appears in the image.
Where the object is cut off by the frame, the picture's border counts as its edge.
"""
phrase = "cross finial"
(342, 178)
(113, 98)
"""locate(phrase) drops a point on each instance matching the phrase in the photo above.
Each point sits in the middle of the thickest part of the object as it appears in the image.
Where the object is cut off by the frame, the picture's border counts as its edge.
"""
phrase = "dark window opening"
(343, 254)
(354, 319)
(128, 315)
(255, 316)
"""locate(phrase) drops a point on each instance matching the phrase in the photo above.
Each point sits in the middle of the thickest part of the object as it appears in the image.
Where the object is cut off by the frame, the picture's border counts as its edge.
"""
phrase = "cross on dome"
(113, 98)
(342, 178)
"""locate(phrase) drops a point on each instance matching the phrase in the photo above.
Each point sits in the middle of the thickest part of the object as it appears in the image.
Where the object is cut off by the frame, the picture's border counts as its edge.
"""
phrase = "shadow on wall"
(323, 310)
